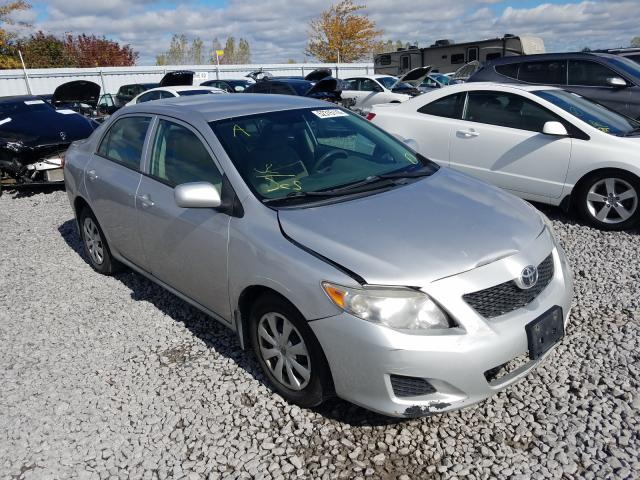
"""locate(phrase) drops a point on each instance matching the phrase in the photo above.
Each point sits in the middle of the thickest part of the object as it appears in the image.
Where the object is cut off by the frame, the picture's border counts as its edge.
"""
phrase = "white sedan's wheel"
(612, 200)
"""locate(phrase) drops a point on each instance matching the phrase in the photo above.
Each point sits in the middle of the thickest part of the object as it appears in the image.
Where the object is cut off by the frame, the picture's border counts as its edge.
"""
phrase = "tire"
(286, 376)
(609, 200)
(95, 245)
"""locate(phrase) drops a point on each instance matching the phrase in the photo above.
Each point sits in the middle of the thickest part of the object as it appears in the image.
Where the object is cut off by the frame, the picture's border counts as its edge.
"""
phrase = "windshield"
(387, 82)
(443, 79)
(596, 115)
(297, 152)
(626, 65)
(24, 106)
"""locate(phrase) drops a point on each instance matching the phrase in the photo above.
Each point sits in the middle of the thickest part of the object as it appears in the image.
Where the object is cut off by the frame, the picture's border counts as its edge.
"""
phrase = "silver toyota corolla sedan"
(349, 263)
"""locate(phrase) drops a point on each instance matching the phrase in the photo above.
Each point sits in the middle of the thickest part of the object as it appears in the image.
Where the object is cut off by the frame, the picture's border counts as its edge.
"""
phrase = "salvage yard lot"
(117, 378)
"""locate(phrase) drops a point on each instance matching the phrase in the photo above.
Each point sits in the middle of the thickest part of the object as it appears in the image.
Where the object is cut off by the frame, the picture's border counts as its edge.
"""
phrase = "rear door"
(186, 248)
(589, 79)
(112, 177)
(499, 141)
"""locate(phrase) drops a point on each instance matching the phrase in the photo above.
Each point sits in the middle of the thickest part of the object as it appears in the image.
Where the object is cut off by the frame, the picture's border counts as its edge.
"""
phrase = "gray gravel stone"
(116, 378)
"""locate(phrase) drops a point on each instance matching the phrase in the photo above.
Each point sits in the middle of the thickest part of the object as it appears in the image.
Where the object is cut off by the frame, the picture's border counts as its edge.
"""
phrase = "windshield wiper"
(297, 195)
(424, 171)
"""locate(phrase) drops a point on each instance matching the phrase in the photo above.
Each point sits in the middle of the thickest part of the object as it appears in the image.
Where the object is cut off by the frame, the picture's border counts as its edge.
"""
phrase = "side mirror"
(197, 195)
(555, 128)
(616, 82)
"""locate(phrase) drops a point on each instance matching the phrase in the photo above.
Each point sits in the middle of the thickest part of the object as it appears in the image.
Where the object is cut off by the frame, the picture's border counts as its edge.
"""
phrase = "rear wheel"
(609, 200)
(288, 352)
(95, 244)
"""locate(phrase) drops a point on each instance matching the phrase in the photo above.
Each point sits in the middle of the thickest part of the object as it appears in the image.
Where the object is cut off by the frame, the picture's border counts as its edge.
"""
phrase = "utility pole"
(26, 77)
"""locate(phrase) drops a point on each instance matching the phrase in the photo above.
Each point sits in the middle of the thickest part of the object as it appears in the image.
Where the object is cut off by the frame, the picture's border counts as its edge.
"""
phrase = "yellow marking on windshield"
(411, 158)
(297, 186)
(237, 128)
(271, 176)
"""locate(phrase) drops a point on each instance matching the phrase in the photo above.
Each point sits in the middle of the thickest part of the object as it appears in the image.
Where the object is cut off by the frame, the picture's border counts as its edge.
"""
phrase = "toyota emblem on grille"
(528, 277)
(63, 135)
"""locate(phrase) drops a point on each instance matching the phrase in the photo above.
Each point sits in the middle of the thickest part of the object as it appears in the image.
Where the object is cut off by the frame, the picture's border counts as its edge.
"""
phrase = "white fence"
(45, 80)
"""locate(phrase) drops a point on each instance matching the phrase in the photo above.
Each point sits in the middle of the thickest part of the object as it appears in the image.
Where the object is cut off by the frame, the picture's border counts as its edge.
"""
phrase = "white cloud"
(277, 29)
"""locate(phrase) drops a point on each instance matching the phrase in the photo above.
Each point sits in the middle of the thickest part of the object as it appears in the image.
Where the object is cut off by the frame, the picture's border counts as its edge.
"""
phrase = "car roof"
(183, 88)
(371, 77)
(492, 85)
(549, 56)
(219, 107)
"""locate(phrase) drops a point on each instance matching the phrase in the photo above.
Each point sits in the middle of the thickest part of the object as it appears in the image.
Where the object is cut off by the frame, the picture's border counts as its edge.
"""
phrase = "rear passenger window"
(588, 73)
(180, 157)
(509, 70)
(124, 141)
(448, 107)
(552, 72)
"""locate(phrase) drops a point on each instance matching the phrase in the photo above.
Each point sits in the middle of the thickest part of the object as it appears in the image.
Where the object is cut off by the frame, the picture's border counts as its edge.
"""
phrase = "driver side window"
(180, 157)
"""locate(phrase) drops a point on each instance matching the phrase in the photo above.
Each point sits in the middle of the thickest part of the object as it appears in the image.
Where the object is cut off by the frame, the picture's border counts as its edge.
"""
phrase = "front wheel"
(288, 352)
(609, 200)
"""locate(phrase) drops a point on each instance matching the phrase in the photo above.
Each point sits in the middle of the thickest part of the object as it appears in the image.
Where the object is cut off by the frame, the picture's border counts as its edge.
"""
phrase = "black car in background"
(318, 84)
(611, 80)
(231, 86)
(33, 137)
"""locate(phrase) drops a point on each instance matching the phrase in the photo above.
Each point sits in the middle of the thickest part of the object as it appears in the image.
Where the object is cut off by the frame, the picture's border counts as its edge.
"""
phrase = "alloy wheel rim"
(612, 200)
(93, 241)
(283, 350)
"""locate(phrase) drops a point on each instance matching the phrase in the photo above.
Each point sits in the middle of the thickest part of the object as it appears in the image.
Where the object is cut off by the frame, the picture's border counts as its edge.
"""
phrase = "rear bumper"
(362, 356)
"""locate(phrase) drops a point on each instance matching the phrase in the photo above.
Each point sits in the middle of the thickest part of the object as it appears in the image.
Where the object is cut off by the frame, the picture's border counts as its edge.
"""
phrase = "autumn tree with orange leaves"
(342, 33)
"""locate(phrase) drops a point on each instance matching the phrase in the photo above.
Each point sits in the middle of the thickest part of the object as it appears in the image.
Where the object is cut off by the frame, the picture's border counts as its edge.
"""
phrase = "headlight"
(399, 308)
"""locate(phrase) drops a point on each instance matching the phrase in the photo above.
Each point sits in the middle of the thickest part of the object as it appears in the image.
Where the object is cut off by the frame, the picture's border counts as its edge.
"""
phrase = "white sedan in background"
(368, 90)
(541, 143)
(172, 92)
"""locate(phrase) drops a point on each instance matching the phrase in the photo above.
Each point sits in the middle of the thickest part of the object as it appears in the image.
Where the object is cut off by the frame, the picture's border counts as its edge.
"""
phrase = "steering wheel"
(325, 161)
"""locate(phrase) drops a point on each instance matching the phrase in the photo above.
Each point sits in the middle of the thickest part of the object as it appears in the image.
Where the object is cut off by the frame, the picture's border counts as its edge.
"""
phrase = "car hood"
(318, 74)
(178, 77)
(78, 91)
(327, 84)
(416, 76)
(436, 227)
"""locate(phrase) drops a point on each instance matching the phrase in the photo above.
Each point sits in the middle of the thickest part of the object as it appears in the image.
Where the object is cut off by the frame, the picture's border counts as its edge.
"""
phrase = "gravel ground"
(116, 378)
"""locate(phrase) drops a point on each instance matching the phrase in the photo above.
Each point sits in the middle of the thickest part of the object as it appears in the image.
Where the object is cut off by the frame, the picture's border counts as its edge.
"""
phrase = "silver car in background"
(350, 264)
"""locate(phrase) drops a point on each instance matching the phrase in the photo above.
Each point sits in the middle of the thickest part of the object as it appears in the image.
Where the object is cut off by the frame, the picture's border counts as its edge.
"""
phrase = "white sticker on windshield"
(65, 111)
(330, 113)
(6, 120)
(33, 102)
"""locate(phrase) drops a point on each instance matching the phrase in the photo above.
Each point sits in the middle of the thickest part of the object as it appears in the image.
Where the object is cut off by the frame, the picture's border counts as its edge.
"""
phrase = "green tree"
(229, 57)
(45, 51)
(178, 51)
(342, 32)
(8, 49)
(196, 53)
(635, 42)
(243, 56)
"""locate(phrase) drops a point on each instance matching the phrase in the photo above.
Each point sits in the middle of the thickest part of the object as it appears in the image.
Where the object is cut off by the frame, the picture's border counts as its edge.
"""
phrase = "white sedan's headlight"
(399, 308)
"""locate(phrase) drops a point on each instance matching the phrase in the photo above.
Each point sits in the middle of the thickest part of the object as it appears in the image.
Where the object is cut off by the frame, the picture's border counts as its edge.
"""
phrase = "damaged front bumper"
(404, 375)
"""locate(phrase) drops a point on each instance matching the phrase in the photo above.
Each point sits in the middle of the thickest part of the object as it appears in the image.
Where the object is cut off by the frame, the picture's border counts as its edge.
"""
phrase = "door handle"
(468, 133)
(145, 200)
(92, 175)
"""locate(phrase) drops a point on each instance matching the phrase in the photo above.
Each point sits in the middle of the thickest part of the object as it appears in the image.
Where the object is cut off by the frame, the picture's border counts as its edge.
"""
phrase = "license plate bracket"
(544, 332)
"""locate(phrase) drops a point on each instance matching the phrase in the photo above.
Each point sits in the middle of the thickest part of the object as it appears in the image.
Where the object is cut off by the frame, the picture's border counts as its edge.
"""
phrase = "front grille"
(410, 386)
(507, 297)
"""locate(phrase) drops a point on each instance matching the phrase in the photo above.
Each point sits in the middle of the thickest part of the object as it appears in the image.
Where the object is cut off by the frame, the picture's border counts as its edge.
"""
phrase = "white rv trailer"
(446, 56)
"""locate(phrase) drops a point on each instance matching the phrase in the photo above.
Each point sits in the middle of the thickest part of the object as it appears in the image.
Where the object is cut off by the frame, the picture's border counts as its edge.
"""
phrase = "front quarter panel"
(260, 255)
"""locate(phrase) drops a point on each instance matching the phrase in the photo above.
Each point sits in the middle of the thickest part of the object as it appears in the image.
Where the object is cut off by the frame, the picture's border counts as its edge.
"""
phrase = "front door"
(186, 247)
(112, 177)
(500, 141)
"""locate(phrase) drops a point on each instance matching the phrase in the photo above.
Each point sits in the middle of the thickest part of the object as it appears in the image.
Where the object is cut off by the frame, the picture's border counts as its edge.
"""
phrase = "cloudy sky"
(277, 29)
